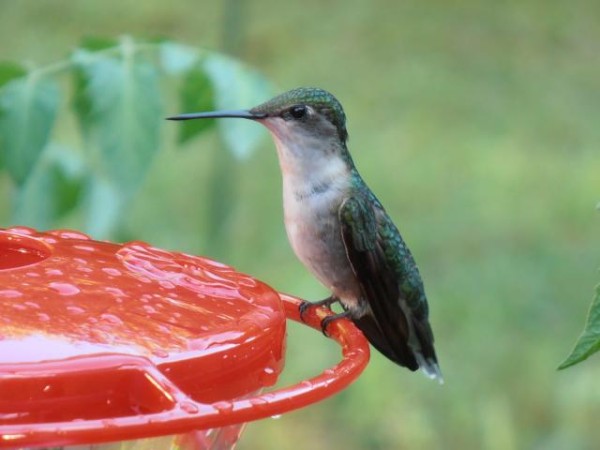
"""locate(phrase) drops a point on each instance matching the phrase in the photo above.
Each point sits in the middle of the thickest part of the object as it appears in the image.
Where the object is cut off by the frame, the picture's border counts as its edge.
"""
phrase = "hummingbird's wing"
(396, 321)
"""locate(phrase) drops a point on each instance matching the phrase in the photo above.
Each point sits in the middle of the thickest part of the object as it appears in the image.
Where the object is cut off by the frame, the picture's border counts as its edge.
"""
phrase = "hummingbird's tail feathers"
(425, 352)
(411, 347)
(430, 368)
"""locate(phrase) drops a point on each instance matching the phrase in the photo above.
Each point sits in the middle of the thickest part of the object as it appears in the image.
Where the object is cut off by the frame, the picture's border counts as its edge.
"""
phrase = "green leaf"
(589, 341)
(96, 43)
(196, 94)
(119, 106)
(10, 71)
(103, 204)
(51, 190)
(176, 59)
(236, 86)
(28, 107)
(81, 102)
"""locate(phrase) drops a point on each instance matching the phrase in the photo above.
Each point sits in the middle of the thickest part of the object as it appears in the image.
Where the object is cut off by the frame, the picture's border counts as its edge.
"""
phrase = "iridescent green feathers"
(319, 99)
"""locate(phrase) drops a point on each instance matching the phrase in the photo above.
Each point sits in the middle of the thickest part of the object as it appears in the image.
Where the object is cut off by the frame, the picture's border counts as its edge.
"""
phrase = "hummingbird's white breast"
(316, 180)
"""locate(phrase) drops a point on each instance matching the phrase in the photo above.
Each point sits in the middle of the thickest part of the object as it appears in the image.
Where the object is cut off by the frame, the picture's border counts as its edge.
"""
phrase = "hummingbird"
(340, 231)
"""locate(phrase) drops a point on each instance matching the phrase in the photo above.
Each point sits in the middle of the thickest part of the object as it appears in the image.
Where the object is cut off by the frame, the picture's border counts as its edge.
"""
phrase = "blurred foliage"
(476, 123)
(118, 104)
(589, 341)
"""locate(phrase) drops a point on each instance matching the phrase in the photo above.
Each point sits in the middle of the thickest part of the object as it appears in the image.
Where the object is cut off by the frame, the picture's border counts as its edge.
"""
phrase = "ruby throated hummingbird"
(339, 230)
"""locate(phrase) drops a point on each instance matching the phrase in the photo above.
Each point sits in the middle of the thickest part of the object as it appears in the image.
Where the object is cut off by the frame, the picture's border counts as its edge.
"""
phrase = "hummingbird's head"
(304, 111)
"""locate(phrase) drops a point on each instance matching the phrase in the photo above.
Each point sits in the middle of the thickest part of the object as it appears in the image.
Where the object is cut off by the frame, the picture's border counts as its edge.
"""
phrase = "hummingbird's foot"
(325, 302)
(327, 320)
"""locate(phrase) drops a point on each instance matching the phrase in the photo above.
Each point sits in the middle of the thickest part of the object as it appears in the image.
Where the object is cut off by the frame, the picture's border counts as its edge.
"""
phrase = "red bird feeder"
(102, 342)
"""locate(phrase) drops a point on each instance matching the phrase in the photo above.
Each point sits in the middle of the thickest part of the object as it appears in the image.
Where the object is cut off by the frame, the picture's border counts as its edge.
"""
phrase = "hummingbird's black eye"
(298, 111)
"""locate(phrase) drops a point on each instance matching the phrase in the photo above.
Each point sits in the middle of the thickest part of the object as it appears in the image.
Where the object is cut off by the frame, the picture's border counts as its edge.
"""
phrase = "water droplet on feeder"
(64, 288)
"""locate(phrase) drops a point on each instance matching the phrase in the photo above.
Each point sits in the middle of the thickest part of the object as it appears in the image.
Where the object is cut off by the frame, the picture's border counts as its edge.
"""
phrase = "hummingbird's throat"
(305, 155)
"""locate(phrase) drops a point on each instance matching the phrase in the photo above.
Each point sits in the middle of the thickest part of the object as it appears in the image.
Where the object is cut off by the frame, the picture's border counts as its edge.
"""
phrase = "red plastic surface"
(100, 342)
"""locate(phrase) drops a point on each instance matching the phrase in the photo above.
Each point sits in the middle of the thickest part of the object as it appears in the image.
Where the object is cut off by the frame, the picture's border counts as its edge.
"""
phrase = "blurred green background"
(478, 126)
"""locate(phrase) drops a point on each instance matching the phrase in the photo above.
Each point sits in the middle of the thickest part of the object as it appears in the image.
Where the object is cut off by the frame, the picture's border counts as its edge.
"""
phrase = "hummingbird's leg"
(325, 302)
(327, 320)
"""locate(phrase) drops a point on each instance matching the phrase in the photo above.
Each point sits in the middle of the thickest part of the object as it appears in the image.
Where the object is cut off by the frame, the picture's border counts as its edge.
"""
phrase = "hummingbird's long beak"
(242, 114)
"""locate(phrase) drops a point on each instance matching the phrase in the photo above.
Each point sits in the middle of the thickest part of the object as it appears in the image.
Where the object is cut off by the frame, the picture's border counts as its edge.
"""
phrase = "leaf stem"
(127, 47)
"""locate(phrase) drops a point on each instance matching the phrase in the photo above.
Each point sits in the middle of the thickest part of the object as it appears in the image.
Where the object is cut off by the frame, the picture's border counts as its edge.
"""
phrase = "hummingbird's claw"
(303, 308)
(327, 320)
